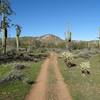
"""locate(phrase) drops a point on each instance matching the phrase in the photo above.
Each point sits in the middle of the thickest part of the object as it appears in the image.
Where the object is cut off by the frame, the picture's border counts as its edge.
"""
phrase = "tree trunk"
(4, 33)
(99, 43)
(69, 43)
(17, 43)
(4, 38)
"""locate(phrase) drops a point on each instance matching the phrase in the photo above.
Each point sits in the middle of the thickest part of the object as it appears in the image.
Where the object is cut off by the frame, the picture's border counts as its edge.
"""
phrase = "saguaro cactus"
(68, 40)
(99, 38)
(69, 34)
(18, 31)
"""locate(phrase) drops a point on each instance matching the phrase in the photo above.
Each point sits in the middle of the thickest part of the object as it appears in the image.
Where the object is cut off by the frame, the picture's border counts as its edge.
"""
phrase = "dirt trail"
(50, 84)
(61, 87)
(39, 89)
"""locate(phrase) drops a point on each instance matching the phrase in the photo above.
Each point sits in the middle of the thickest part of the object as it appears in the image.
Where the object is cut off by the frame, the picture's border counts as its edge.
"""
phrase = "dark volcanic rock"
(12, 75)
(19, 66)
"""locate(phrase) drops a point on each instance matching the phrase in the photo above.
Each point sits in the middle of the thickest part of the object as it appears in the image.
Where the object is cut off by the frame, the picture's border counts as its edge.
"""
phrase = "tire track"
(38, 90)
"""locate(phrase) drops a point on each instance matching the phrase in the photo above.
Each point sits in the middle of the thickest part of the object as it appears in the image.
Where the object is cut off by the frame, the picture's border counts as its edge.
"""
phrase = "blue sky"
(38, 17)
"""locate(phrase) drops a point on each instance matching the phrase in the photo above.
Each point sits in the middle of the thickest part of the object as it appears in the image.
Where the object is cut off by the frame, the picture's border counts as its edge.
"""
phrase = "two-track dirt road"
(50, 83)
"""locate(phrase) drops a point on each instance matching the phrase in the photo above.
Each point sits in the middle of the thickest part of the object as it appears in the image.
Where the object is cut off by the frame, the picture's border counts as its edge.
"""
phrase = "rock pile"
(16, 74)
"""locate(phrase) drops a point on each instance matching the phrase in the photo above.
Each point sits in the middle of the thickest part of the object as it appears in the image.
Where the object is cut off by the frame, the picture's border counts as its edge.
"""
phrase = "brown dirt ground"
(39, 90)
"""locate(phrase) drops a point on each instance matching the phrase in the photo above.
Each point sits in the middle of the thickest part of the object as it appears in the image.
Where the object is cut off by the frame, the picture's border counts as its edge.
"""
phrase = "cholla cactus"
(85, 67)
(68, 58)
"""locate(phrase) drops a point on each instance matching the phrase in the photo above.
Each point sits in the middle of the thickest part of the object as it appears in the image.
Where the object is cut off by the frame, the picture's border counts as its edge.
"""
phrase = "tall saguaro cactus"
(5, 10)
(69, 34)
(18, 32)
(68, 39)
(99, 38)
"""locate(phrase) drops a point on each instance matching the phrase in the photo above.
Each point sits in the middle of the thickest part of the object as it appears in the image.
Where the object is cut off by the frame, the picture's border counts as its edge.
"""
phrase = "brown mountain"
(49, 38)
(26, 40)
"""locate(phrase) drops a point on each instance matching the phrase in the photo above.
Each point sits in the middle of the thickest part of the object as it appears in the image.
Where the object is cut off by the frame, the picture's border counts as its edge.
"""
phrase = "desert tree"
(5, 11)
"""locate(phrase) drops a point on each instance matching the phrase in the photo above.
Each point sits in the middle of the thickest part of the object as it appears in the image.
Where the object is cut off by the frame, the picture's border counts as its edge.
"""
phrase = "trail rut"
(55, 89)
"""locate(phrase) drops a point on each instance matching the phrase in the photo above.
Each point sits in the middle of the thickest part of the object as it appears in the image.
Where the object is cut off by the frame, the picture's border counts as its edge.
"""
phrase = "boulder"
(19, 66)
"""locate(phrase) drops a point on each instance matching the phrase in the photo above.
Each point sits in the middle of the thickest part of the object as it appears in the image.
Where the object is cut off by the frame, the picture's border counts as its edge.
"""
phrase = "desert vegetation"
(20, 63)
(29, 62)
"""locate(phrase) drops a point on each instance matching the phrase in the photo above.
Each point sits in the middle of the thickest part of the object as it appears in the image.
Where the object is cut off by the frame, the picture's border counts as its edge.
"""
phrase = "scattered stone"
(70, 65)
(27, 81)
(12, 75)
(30, 82)
(85, 53)
(19, 66)
(36, 60)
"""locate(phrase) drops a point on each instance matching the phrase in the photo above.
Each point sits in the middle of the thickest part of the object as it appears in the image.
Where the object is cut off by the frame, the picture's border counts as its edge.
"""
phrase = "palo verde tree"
(5, 11)
(18, 32)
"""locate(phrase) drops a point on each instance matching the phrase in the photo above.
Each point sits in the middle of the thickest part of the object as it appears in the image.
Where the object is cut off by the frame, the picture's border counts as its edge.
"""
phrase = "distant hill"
(49, 38)
(26, 40)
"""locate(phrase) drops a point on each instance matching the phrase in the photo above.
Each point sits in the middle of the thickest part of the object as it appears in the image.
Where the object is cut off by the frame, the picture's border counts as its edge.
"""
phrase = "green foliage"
(61, 45)
(16, 90)
(5, 7)
(79, 45)
(5, 10)
(4, 68)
